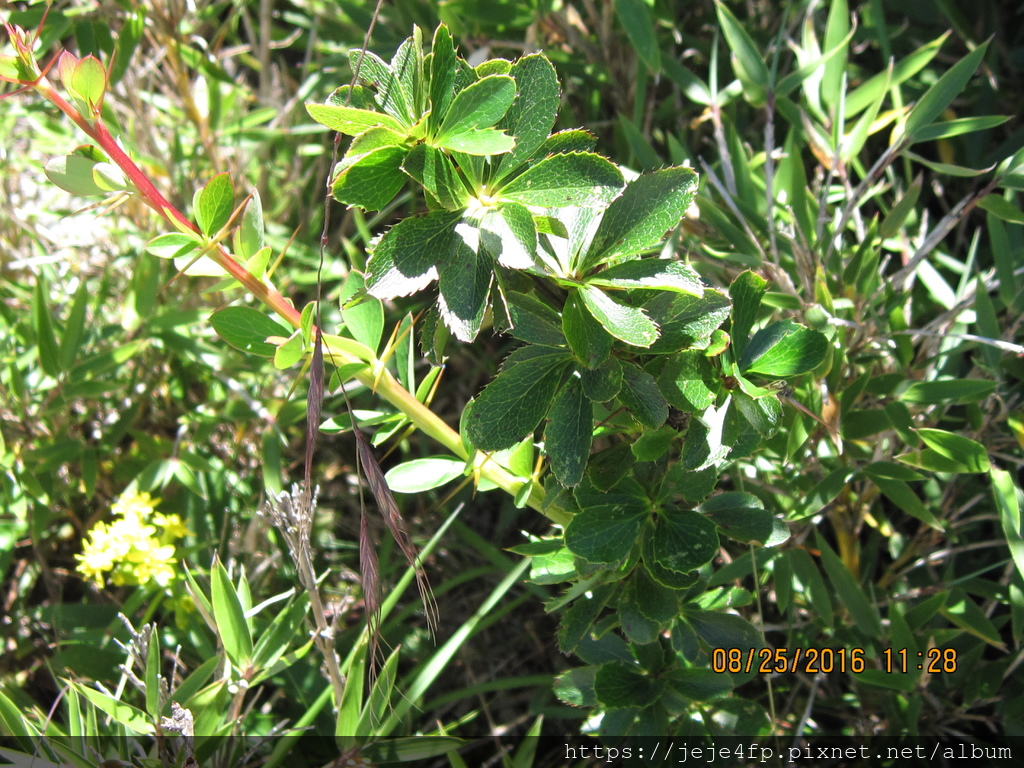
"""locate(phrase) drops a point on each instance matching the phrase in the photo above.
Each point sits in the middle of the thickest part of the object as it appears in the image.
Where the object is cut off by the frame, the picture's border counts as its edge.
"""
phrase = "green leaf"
(684, 321)
(533, 321)
(477, 106)
(969, 453)
(907, 66)
(390, 95)
(635, 17)
(576, 687)
(73, 173)
(484, 141)
(747, 60)
(587, 338)
(640, 394)
(941, 94)
(532, 114)
(904, 497)
(746, 292)
(215, 204)
(701, 684)
(837, 28)
(405, 259)
(960, 126)
(433, 169)
(74, 327)
(230, 618)
(512, 405)
(351, 121)
(410, 749)
(997, 206)
(576, 140)
(46, 340)
(948, 391)
(639, 218)
(173, 245)
(628, 324)
(442, 76)
(1007, 498)
(247, 329)
(290, 352)
(568, 435)
(371, 180)
(684, 540)
(688, 381)
(250, 237)
(130, 717)
(784, 349)
(89, 82)
(363, 316)
(618, 685)
(420, 475)
(653, 443)
(608, 523)
(651, 274)
(509, 235)
(573, 179)
(739, 516)
(604, 382)
(464, 284)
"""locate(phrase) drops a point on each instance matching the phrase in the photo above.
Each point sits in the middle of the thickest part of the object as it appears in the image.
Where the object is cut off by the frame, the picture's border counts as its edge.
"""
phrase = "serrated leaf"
(509, 235)
(534, 321)
(464, 283)
(650, 274)
(683, 540)
(655, 601)
(512, 405)
(477, 106)
(371, 180)
(576, 687)
(607, 525)
(604, 382)
(637, 219)
(434, 170)
(350, 120)
(739, 516)
(685, 321)
(532, 114)
(640, 394)
(405, 260)
(618, 685)
(784, 349)
(628, 324)
(230, 618)
(574, 179)
(442, 76)
(575, 140)
(379, 76)
(73, 173)
(215, 204)
(479, 141)
(569, 433)
(587, 338)
(247, 329)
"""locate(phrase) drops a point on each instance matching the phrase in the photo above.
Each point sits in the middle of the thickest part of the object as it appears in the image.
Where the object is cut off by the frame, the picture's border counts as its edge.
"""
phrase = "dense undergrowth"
(824, 387)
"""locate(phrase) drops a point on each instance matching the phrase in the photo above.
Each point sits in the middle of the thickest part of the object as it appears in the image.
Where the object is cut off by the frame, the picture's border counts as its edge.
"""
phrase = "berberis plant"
(635, 386)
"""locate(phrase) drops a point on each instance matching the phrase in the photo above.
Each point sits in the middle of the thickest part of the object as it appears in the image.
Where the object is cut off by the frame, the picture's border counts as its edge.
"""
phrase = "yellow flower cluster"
(137, 547)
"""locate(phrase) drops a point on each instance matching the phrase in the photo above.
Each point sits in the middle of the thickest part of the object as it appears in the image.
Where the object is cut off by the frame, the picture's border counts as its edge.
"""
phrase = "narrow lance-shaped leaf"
(939, 96)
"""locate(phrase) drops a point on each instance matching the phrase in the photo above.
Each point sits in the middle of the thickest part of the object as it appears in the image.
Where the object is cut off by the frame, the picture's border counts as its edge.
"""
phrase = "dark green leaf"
(948, 391)
(850, 594)
(587, 338)
(604, 382)
(247, 329)
(532, 114)
(699, 684)
(942, 93)
(635, 17)
(390, 94)
(654, 601)
(512, 405)
(509, 235)
(562, 180)
(607, 525)
(433, 169)
(654, 443)
(639, 218)
(763, 413)
(784, 349)
(576, 687)
(230, 618)
(688, 381)
(534, 321)
(725, 630)
(651, 274)
(626, 323)
(684, 321)
(739, 516)
(618, 685)
(464, 284)
(567, 141)
(684, 540)
(371, 180)
(579, 618)
(568, 435)
(746, 292)
(405, 259)
(640, 394)
(442, 76)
